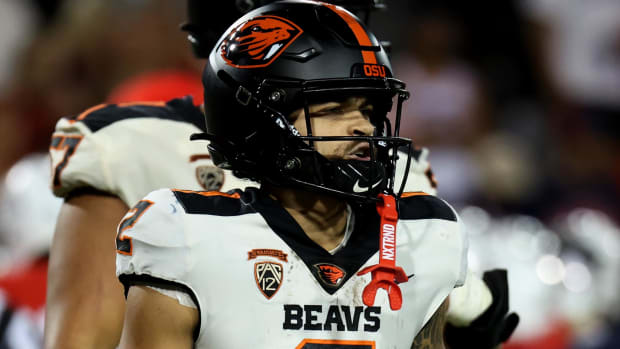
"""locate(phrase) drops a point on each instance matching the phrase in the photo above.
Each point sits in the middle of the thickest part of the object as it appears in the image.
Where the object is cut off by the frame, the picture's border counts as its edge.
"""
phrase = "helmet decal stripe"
(359, 32)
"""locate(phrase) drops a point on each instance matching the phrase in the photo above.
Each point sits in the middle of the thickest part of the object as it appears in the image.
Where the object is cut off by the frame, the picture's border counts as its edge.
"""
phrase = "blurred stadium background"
(517, 100)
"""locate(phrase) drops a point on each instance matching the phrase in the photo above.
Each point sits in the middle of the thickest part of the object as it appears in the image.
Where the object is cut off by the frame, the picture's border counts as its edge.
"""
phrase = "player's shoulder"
(421, 205)
(215, 203)
(162, 217)
(103, 115)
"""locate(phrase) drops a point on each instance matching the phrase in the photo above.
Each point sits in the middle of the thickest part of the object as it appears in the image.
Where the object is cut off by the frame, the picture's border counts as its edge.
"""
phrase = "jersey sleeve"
(151, 245)
(77, 159)
(437, 247)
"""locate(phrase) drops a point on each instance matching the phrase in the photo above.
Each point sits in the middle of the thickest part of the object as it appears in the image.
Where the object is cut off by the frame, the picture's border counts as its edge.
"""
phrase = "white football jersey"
(259, 281)
(131, 149)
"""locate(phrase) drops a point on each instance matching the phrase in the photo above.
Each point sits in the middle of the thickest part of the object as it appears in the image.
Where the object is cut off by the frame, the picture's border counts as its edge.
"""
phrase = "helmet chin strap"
(386, 274)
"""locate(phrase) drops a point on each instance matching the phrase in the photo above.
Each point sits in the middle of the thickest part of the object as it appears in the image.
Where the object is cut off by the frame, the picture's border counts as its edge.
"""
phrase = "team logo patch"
(210, 177)
(331, 275)
(259, 41)
(268, 276)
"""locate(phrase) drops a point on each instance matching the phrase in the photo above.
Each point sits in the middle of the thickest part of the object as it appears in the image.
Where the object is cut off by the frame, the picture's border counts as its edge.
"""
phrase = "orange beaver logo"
(259, 41)
(330, 274)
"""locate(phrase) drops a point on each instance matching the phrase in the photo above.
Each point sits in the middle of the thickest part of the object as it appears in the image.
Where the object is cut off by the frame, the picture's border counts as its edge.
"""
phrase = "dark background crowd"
(518, 102)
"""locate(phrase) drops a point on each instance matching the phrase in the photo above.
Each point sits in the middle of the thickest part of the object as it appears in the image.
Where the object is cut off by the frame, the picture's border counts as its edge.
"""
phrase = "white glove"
(469, 301)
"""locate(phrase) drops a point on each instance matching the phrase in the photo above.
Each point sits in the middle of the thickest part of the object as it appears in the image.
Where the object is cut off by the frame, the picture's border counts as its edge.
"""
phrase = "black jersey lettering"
(331, 318)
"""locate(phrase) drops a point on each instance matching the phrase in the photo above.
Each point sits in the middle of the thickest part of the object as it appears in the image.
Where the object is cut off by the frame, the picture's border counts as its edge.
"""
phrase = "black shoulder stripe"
(180, 109)
(212, 203)
(424, 207)
(129, 280)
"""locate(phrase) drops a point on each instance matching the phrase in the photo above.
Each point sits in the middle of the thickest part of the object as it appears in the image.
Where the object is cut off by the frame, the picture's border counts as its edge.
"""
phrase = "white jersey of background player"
(254, 262)
(132, 149)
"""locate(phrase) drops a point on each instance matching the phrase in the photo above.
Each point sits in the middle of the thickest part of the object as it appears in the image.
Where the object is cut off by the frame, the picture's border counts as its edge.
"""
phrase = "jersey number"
(69, 144)
(123, 243)
(334, 344)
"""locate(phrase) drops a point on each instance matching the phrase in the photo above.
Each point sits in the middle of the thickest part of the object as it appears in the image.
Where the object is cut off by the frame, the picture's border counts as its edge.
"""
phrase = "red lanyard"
(386, 274)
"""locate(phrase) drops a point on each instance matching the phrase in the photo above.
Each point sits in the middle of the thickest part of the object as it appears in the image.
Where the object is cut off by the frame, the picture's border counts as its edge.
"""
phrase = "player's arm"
(85, 301)
(154, 320)
(431, 335)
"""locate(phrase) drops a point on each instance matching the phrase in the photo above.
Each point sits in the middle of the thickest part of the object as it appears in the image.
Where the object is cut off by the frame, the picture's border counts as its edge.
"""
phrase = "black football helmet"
(285, 56)
(205, 24)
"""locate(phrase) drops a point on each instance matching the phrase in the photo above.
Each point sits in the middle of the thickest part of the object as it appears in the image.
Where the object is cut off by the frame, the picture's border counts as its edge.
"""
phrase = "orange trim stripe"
(149, 103)
(358, 31)
(210, 193)
(90, 110)
(414, 193)
(336, 342)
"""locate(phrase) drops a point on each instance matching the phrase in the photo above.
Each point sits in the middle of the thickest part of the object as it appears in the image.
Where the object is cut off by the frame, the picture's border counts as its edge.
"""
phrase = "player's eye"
(328, 111)
(366, 109)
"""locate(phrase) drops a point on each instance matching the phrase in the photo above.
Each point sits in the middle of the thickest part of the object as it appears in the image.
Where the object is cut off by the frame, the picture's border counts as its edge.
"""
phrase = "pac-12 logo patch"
(259, 41)
(331, 275)
(210, 177)
(268, 276)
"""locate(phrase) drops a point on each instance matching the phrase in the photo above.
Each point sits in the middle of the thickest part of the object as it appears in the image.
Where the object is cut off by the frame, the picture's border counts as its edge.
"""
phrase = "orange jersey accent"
(413, 193)
(209, 193)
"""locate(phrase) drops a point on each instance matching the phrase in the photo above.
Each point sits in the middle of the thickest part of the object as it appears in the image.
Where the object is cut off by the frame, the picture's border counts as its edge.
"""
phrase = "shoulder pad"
(420, 205)
(102, 115)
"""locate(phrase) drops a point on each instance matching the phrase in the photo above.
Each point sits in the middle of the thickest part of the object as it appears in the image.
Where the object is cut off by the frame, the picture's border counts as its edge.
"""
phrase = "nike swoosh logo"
(358, 189)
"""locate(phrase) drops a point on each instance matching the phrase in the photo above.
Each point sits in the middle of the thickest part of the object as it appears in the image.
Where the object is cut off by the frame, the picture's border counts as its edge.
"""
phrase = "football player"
(107, 158)
(93, 152)
(327, 253)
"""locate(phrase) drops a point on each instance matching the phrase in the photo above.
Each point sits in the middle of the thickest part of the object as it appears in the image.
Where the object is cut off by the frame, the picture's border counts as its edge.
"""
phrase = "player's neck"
(323, 218)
